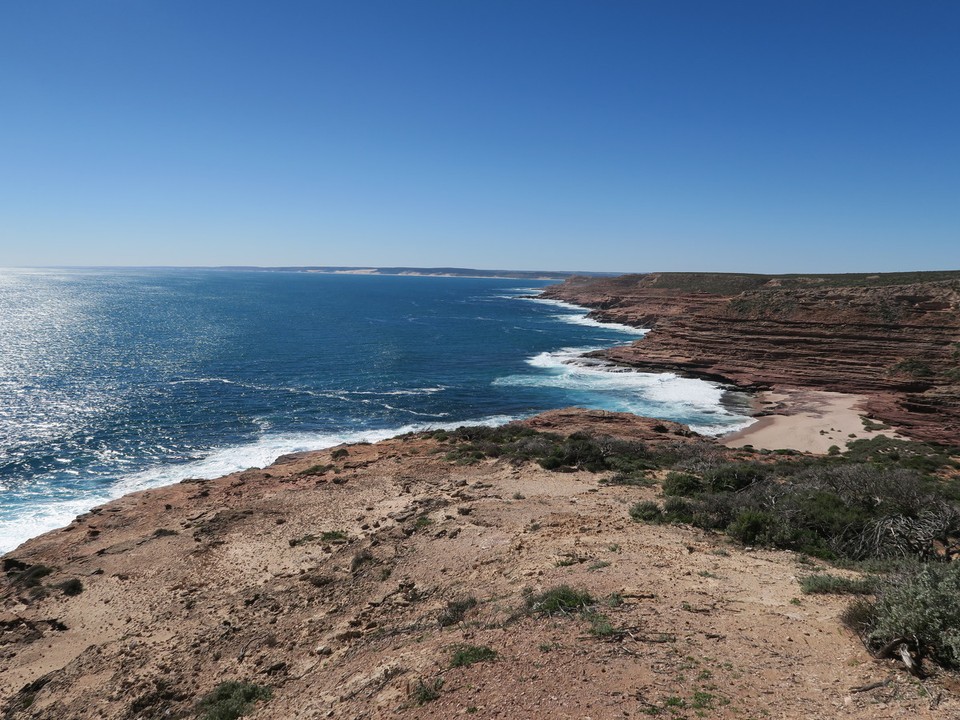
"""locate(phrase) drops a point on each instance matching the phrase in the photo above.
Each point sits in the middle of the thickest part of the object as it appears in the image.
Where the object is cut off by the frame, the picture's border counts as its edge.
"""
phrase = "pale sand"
(805, 420)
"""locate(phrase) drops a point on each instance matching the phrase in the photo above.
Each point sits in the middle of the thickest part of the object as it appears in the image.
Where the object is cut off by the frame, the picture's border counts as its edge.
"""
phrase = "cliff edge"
(893, 338)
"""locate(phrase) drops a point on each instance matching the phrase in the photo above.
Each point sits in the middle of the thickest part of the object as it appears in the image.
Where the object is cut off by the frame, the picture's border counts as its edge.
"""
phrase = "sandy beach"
(805, 420)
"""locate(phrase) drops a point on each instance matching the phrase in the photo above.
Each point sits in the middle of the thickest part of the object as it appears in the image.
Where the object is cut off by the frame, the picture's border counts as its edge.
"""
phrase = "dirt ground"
(187, 586)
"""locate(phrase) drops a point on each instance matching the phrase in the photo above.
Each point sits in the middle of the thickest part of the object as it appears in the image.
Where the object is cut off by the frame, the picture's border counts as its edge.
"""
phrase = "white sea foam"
(624, 389)
(590, 322)
(52, 508)
(579, 315)
(339, 394)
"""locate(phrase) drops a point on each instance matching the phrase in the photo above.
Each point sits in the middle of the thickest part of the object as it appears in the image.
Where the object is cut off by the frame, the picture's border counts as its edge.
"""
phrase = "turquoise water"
(118, 380)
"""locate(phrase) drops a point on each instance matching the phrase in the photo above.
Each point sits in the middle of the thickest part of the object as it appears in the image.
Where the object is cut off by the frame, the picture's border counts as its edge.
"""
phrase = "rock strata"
(894, 339)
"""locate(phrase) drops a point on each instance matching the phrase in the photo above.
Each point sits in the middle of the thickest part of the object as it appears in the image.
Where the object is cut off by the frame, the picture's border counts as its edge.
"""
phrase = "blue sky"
(609, 135)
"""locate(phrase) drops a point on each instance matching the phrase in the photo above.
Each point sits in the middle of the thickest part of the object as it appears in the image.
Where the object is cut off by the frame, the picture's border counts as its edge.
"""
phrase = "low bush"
(600, 625)
(579, 451)
(302, 540)
(827, 508)
(70, 587)
(628, 479)
(230, 700)
(466, 655)
(316, 470)
(909, 454)
(561, 599)
(682, 484)
(424, 692)
(835, 585)
(646, 511)
(333, 536)
(678, 510)
(28, 575)
(919, 604)
(731, 477)
(913, 367)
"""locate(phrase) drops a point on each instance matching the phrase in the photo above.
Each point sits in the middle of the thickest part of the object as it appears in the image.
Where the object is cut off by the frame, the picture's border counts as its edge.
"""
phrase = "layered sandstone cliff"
(893, 338)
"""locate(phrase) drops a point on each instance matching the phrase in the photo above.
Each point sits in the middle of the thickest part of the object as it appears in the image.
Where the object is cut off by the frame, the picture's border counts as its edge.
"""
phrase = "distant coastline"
(454, 272)
(439, 272)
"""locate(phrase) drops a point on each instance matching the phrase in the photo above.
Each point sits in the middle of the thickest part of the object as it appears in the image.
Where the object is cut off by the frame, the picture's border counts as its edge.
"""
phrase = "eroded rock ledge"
(894, 338)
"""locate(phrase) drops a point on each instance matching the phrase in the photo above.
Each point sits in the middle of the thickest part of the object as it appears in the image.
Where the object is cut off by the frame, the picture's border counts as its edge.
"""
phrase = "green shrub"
(911, 454)
(577, 452)
(753, 527)
(678, 510)
(333, 536)
(715, 511)
(913, 367)
(920, 604)
(731, 477)
(561, 599)
(835, 585)
(600, 625)
(628, 479)
(646, 511)
(428, 691)
(230, 700)
(339, 453)
(466, 655)
(682, 484)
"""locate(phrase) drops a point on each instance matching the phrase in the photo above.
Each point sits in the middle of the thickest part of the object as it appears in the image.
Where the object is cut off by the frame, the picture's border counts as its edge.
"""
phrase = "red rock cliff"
(894, 337)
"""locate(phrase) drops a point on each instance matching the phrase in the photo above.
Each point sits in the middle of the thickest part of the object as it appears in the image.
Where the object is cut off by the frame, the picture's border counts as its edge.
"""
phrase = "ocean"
(113, 381)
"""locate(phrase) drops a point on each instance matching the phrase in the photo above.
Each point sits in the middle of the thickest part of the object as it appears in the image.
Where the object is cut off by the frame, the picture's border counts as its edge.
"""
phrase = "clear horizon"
(543, 136)
(544, 270)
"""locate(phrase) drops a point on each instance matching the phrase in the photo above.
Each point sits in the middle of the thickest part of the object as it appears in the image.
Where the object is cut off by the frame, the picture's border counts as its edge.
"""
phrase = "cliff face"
(890, 338)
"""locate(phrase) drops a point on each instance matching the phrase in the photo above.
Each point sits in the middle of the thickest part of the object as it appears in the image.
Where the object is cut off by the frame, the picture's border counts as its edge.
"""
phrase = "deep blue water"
(116, 380)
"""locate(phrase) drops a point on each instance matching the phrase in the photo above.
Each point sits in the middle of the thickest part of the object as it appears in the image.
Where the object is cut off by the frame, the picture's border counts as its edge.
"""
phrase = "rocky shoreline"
(891, 339)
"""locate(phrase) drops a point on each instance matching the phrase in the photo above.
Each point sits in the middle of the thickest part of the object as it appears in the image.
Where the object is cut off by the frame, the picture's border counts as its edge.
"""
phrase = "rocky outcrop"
(893, 338)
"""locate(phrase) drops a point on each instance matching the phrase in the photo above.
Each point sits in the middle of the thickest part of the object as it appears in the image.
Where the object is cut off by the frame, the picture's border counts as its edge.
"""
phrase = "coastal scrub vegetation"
(848, 511)
(919, 607)
(424, 692)
(71, 587)
(231, 700)
(569, 601)
(883, 503)
(579, 451)
(835, 585)
(562, 599)
(466, 655)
